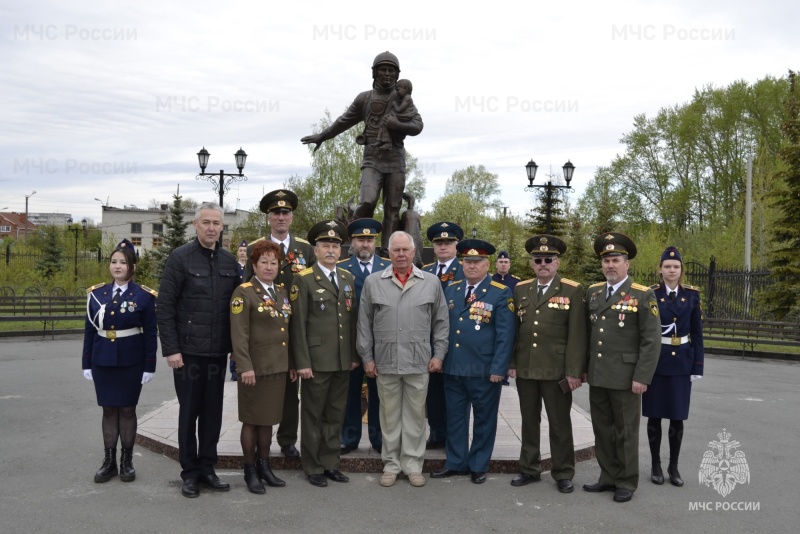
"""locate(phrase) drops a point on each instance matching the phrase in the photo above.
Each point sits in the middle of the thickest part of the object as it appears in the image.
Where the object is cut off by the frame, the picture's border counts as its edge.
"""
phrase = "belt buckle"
(676, 340)
(111, 334)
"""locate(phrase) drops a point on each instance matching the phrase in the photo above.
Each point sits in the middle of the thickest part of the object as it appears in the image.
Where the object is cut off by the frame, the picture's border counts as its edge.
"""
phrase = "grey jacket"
(397, 325)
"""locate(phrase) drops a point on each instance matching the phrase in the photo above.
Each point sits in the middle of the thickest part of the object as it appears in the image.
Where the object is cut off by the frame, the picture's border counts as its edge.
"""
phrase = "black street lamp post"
(75, 228)
(221, 186)
(549, 187)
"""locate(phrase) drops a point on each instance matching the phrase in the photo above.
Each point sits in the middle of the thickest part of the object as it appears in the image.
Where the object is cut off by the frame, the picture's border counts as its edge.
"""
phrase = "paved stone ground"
(50, 446)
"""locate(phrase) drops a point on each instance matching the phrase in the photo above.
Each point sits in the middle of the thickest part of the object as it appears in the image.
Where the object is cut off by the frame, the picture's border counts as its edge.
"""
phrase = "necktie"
(540, 292)
(441, 270)
(333, 281)
(272, 294)
(283, 250)
(610, 292)
(364, 267)
(672, 296)
(469, 294)
(117, 294)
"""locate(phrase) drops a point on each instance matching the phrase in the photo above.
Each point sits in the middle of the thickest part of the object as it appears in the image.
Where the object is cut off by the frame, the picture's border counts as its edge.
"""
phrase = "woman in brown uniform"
(260, 313)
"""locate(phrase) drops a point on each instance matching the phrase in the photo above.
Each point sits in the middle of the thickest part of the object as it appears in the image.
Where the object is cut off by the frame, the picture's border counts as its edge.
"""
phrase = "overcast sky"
(113, 100)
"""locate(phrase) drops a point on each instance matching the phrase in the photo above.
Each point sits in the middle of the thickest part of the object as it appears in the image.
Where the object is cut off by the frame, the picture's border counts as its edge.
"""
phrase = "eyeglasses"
(538, 261)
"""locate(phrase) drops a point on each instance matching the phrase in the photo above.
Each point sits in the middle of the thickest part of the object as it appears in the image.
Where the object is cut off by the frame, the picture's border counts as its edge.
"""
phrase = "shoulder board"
(256, 241)
(454, 283)
(90, 289)
(516, 277)
(149, 290)
(655, 286)
(428, 265)
(343, 261)
(692, 288)
(306, 272)
(525, 282)
(301, 240)
(569, 282)
(640, 287)
(247, 284)
(498, 284)
(344, 272)
(385, 259)
(598, 284)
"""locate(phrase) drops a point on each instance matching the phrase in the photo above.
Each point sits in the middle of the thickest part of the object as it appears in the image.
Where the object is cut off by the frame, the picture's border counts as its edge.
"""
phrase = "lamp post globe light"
(75, 228)
(25, 235)
(217, 180)
(530, 169)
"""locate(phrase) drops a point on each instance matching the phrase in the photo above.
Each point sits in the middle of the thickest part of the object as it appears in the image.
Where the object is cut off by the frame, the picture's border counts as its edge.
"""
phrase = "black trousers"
(200, 385)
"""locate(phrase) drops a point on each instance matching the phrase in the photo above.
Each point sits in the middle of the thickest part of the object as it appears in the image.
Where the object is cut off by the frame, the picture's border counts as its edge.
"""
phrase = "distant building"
(13, 225)
(50, 219)
(143, 227)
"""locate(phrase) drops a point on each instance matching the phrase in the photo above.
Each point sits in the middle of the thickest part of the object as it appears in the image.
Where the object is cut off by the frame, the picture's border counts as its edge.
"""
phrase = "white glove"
(695, 377)
(147, 377)
(87, 374)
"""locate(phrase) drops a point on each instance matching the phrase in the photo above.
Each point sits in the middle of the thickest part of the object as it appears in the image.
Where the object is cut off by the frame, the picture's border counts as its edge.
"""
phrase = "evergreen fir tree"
(53, 261)
(174, 237)
(783, 296)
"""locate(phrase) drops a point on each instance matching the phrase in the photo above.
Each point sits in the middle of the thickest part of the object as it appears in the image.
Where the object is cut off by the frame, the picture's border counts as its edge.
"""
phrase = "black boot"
(253, 482)
(657, 475)
(674, 476)
(126, 471)
(265, 472)
(109, 467)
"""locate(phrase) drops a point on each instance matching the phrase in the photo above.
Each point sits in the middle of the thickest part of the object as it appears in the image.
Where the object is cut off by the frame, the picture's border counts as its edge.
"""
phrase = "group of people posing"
(437, 341)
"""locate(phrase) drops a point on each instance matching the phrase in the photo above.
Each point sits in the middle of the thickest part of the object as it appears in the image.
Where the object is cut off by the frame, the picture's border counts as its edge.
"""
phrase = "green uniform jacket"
(625, 341)
(299, 257)
(260, 329)
(551, 332)
(323, 326)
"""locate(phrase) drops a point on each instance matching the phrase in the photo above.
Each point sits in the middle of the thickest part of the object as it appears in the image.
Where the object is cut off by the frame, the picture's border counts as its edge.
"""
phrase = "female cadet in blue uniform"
(680, 363)
(119, 355)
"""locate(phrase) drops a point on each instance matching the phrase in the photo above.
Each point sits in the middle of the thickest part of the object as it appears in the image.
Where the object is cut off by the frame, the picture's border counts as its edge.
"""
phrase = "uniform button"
(460, 318)
(340, 337)
(459, 331)
(536, 322)
(457, 345)
(601, 330)
(535, 334)
(537, 312)
(600, 343)
(340, 315)
(113, 340)
(112, 313)
(673, 354)
(283, 343)
(535, 345)
(599, 355)
(283, 329)
(340, 326)
(603, 317)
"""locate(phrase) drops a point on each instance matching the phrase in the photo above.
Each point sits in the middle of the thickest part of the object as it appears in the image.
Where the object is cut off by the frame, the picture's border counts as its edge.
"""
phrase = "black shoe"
(434, 444)
(565, 485)
(656, 474)
(109, 467)
(190, 489)
(346, 450)
(477, 477)
(318, 480)
(336, 475)
(622, 495)
(674, 476)
(290, 451)
(212, 481)
(252, 480)
(445, 472)
(598, 487)
(378, 448)
(234, 377)
(126, 471)
(523, 479)
(265, 473)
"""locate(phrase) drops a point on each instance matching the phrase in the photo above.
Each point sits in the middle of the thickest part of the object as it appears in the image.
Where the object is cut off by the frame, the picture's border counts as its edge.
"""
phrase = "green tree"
(174, 237)
(785, 293)
(53, 261)
(478, 183)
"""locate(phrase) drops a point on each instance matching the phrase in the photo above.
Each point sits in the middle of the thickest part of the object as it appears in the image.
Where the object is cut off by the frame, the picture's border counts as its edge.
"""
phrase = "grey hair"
(207, 206)
(401, 233)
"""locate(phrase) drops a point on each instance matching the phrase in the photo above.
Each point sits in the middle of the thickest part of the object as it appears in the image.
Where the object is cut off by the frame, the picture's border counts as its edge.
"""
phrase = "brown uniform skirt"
(262, 404)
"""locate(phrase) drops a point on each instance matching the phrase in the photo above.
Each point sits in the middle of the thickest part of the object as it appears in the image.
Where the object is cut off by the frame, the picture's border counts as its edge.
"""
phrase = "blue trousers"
(483, 397)
(351, 429)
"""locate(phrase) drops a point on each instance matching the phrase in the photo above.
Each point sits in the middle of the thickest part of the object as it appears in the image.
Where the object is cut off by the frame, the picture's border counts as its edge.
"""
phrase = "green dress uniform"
(624, 346)
(260, 337)
(551, 344)
(299, 257)
(322, 334)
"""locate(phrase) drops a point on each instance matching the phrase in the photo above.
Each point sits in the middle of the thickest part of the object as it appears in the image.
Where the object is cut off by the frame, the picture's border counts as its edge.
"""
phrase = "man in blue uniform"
(481, 340)
(502, 267)
(444, 236)
(241, 260)
(362, 263)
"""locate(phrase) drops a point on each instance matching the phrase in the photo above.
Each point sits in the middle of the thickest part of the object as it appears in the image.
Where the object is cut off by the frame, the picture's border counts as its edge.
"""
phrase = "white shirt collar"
(124, 288)
(325, 271)
(285, 241)
(615, 286)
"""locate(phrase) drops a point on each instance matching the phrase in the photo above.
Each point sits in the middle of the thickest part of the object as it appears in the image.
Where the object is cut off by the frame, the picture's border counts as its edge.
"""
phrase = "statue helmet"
(386, 58)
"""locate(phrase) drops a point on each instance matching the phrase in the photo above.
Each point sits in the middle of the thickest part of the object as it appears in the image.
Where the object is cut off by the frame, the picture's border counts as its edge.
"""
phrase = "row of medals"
(480, 312)
(626, 305)
(560, 303)
(269, 304)
(127, 306)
